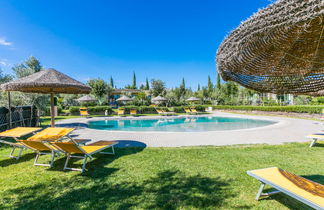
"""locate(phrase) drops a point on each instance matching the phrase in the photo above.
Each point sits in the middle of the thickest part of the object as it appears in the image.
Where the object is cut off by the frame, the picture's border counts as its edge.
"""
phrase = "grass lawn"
(157, 178)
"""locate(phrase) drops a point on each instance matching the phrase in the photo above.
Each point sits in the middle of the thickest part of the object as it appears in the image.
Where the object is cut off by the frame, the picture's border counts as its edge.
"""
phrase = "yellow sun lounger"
(133, 112)
(84, 111)
(315, 137)
(304, 190)
(39, 143)
(193, 110)
(121, 111)
(16, 133)
(84, 152)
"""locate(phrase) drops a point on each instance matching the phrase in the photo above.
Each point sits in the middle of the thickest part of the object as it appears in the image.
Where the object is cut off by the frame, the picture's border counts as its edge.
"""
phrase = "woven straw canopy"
(124, 99)
(193, 99)
(159, 99)
(47, 81)
(86, 98)
(280, 49)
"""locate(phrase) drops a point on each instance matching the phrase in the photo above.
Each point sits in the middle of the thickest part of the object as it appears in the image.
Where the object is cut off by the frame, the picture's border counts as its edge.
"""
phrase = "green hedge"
(74, 110)
(297, 109)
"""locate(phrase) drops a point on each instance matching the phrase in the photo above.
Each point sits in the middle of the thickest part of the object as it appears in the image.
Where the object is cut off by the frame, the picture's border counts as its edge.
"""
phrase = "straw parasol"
(279, 49)
(193, 99)
(47, 81)
(158, 100)
(86, 98)
(124, 99)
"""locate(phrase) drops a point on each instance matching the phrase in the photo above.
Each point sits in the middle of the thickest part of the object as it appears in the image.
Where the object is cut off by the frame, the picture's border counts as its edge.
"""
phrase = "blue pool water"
(192, 124)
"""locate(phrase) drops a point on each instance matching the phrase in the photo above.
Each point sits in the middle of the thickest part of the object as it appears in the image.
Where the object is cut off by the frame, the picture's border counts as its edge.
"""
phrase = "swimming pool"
(184, 124)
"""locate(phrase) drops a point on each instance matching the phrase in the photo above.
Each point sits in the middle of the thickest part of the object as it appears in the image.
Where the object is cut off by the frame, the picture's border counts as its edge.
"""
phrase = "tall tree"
(134, 81)
(218, 83)
(147, 86)
(157, 87)
(210, 85)
(98, 88)
(198, 89)
(34, 64)
(111, 82)
(5, 77)
(30, 66)
(182, 88)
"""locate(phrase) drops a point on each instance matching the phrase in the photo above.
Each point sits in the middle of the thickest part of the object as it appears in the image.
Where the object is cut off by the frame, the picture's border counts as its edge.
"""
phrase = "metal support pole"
(9, 107)
(52, 111)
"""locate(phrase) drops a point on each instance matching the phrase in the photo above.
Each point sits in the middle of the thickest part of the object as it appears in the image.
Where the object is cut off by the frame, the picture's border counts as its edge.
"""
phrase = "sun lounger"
(315, 137)
(188, 111)
(193, 110)
(39, 143)
(83, 152)
(304, 190)
(16, 133)
(133, 112)
(84, 111)
(121, 111)
(160, 112)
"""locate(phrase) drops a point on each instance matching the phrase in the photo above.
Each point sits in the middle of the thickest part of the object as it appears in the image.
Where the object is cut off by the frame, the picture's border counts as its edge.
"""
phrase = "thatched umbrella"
(47, 81)
(158, 100)
(86, 98)
(124, 99)
(193, 99)
(279, 49)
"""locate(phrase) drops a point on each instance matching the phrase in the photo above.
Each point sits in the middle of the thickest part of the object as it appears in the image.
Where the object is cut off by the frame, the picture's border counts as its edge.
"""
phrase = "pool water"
(191, 124)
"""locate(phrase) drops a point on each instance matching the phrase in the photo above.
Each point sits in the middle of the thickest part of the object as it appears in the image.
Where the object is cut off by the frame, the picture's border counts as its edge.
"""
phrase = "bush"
(93, 110)
(296, 109)
(141, 109)
(48, 111)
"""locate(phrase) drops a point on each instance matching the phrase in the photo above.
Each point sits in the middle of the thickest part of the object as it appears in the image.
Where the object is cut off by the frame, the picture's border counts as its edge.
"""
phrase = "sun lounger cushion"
(307, 191)
(18, 132)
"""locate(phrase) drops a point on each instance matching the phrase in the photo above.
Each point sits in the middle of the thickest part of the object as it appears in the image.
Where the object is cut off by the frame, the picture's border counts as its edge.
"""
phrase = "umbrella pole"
(9, 107)
(52, 111)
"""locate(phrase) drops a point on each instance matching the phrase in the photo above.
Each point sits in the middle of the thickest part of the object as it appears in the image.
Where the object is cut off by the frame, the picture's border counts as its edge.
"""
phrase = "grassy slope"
(163, 178)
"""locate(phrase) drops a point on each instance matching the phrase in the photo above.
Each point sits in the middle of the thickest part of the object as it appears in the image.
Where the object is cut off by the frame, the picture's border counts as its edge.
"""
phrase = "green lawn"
(157, 178)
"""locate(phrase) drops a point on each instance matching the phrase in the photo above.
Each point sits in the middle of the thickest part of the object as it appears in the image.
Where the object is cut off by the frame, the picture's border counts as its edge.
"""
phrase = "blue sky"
(164, 39)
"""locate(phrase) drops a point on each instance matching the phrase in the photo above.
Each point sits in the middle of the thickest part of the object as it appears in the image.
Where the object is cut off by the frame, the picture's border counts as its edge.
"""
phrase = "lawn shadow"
(168, 189)
(96, 169)
(11, 161)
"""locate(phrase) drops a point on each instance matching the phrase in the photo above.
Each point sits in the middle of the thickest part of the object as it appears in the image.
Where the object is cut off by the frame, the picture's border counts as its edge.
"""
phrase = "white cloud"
(4, 42)
(4, 62)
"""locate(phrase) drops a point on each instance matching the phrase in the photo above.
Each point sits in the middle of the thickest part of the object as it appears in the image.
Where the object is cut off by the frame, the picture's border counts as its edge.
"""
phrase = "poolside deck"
(286, 130)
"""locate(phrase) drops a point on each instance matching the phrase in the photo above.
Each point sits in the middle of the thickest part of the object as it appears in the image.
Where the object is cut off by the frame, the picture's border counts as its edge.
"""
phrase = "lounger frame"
(86, 155)
(279, 190)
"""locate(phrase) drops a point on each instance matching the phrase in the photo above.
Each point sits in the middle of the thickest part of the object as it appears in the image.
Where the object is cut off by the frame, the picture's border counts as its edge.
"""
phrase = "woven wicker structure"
(124, 99)
(86, 98)
(193, 99)
(47, 81)
(280, 49)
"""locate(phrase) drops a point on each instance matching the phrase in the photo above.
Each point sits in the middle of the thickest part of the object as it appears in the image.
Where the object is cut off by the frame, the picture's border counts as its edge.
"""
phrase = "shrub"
(296, 109)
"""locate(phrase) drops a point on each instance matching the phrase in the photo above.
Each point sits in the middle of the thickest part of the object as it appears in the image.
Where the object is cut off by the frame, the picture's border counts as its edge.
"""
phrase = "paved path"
(286, 130)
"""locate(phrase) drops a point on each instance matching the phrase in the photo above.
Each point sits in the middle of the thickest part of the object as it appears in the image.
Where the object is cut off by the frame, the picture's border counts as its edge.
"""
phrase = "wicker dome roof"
(47, 81)
(124, 98)
(159, 99)
(193, 99)
(279, 49)
(86, 98)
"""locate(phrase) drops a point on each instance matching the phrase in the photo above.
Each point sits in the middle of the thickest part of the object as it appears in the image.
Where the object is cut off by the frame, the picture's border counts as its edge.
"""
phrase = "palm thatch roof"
(280, 49)
(47, 81)
(159, 99)
(86, 98)
(192, 99)
(124, 98)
